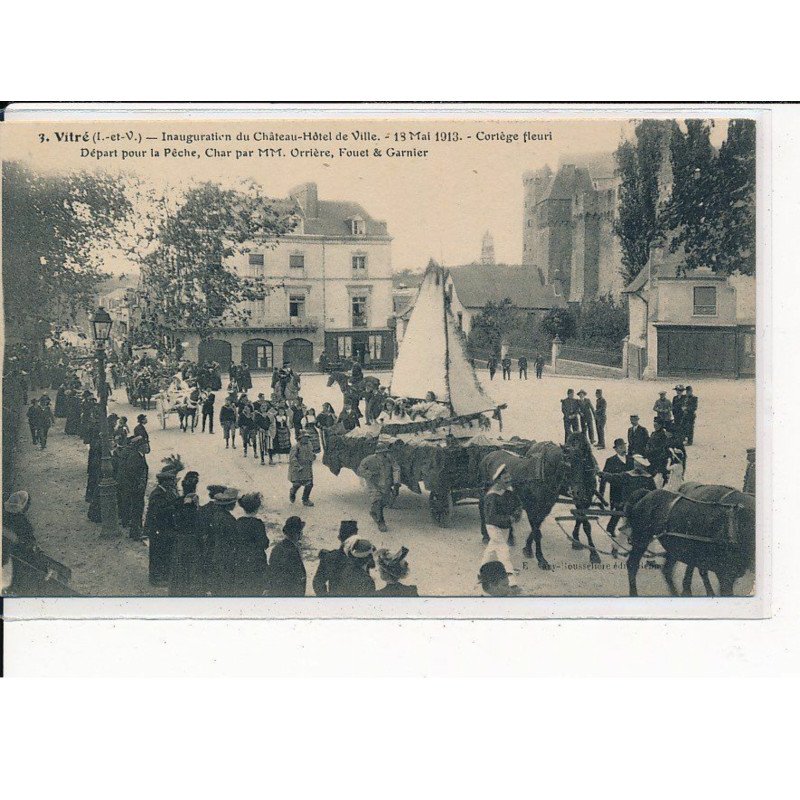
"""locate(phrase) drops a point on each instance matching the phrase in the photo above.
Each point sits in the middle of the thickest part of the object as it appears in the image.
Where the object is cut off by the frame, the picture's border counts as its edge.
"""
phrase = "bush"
(603, 322)
(559, 322)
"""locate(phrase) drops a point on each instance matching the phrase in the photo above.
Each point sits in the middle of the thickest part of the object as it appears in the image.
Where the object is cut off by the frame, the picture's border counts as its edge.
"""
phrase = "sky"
(437, 206)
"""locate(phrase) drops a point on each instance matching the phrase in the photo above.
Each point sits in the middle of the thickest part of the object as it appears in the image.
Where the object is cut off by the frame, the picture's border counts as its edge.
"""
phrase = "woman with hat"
(331, 562)
(251, 549)
(393, 567)
(355, 580)
(286, 574)
(223, 536)
(186, 566)
(498, 510)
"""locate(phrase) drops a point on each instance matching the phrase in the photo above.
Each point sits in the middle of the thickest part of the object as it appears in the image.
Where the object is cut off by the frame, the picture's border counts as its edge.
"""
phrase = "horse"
(709, 527)
(538, 478)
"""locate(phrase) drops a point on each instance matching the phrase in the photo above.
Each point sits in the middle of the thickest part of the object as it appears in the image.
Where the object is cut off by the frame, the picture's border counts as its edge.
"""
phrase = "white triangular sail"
(433, 356)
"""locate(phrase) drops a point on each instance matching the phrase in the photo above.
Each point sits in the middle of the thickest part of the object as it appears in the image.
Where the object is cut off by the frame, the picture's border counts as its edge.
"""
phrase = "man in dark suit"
(600, 410)
(132, 484)
(689, 414)
(637, 437)
(619, 462)
(657, 450)
(570, 411)
(286, 575)
(332, 562)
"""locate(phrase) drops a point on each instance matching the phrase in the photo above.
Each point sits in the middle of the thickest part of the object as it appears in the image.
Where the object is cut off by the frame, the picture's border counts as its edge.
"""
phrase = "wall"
(676, 301)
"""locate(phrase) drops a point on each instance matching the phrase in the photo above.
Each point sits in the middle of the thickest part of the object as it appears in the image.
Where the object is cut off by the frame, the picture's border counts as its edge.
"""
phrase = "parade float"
(435, 407)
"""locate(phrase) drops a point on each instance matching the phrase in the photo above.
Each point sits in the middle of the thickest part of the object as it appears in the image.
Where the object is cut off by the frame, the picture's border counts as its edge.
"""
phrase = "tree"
(603, 322)
(54, 229)
(711, 213)
(188, 282)
(638, 224)
(559, 322)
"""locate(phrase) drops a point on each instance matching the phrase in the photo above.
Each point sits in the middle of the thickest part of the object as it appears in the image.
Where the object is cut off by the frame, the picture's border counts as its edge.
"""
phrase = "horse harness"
(731, 527)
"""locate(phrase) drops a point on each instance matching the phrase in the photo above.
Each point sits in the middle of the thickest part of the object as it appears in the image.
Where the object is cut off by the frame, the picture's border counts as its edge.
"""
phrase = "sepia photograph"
(398, 357)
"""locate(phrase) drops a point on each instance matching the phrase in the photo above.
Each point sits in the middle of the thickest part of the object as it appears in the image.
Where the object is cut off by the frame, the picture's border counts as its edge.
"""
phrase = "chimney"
(307, 199)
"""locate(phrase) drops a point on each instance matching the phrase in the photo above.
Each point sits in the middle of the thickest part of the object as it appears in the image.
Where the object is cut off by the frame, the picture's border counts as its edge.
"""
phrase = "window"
(705, 301)
(360, 265)
(749, 344)
(357, 226)
(297, 307)
(375, 347)
(297, 261)
(255, 259)
(345, 346)
(359, 309)
(530, 223)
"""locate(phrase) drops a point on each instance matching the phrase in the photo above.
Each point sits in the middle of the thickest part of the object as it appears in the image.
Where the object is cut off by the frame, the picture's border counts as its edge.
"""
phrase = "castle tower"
(487, 249)
(535, 186)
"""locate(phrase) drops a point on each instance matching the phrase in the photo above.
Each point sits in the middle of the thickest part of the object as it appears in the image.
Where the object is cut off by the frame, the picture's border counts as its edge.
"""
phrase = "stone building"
(332, 291)
(568, 226)
(695, 322)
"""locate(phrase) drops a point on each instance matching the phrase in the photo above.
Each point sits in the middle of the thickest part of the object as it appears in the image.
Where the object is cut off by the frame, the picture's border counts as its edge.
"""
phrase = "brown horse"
(711, 528)
(539, 477)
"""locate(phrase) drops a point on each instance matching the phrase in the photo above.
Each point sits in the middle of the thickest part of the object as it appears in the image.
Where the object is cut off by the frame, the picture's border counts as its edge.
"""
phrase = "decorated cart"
(438, 410)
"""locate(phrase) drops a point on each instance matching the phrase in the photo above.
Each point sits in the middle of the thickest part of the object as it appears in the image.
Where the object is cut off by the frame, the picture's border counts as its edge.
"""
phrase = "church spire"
(487, 249)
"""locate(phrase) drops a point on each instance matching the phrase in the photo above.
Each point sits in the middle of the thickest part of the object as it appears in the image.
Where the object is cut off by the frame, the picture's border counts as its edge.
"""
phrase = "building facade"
(697, 323)
(331, 290)
(568, 226)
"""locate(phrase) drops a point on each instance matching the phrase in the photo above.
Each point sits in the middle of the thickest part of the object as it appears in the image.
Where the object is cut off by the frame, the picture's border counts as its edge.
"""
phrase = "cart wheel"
(441, 508)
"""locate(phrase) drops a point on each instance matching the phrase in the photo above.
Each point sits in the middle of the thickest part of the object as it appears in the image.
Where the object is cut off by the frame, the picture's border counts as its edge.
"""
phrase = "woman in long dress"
(250, 579)
(186, 566)
(283, 439)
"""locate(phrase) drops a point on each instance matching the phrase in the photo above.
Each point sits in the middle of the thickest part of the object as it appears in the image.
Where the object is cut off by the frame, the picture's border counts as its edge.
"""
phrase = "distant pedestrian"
(393, 567)
(491, 365)
(506, 365)
(331, 562)
(45, 421)
(301, 460)
(600, 416)
(539, 366)
(208, 413)
(286, 573)
(522, 364)
(141, 430)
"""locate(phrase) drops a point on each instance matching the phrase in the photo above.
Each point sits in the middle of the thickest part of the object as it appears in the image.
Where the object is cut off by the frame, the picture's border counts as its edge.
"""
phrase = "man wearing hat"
(301, 460)
(657, 450)
(286, 574)
(355, 580)
(663, 409)
(689, 414)
(638, 437)
(331, 562)
(626, 483)
(619, 462)
(393, 567)
(600, 415)
(570, 411)
(45, 420)
(678, 406)
(586, 414)
(498, 505)
(160, 523)
(132, 474)
(380, 475)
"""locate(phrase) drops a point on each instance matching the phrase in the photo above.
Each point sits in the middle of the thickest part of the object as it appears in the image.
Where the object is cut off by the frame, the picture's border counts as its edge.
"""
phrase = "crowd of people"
(506, 363)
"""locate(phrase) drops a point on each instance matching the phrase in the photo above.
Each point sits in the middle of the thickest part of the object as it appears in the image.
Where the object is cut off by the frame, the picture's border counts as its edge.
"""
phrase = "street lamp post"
(109, 518)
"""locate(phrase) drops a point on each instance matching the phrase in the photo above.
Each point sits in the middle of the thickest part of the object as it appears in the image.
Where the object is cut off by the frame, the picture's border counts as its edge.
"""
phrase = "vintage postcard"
(383, 356)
